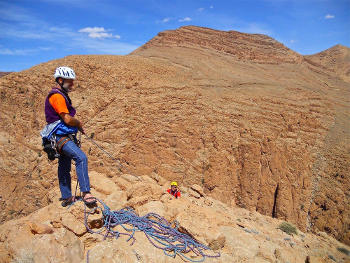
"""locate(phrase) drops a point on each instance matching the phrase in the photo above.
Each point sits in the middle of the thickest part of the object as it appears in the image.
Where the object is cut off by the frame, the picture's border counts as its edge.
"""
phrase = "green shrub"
(288, 228)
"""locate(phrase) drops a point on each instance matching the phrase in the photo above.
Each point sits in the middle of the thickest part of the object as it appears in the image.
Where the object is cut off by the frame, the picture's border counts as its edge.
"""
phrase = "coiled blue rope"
(156, 228)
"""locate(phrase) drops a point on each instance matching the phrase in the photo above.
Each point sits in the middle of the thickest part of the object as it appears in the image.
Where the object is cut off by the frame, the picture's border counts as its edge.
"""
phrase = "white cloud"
(22, 52)
(19, 24)
(165, 20)
(292, 41)
(16, 14)
(211, 7)
(328, 16)
(7, 51)
(186, 19)
(92, 29)
(200, 9)
(98, 32)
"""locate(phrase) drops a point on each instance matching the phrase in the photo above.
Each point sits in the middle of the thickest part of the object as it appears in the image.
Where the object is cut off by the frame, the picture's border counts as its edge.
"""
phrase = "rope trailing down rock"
(156, 228)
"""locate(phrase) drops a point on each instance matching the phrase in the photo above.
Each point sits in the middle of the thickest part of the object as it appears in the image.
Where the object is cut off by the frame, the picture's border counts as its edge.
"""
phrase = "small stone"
(218, 243)
(38, 228)
(287, 239)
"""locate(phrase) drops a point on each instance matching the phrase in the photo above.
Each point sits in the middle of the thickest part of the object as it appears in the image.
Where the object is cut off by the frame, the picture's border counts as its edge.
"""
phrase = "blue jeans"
(71, 151)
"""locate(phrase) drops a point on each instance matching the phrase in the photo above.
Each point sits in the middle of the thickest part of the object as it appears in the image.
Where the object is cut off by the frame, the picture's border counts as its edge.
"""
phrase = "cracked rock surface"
(252, 123)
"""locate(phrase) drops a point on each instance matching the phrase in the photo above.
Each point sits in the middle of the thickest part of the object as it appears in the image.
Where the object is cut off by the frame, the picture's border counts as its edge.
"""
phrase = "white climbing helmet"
(64, 72)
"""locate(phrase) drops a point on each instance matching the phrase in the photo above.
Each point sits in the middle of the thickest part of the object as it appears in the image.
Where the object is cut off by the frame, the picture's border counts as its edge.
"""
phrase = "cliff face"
(252, 122)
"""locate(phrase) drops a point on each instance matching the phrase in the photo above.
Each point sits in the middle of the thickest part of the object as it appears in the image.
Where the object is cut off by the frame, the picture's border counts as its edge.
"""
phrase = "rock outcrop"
(333, 60)
(253, 125)
(57, 234)
(4, 74)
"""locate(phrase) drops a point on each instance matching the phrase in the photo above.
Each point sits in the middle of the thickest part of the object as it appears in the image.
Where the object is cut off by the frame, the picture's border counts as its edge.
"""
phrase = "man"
(174, 190)
(63, 126)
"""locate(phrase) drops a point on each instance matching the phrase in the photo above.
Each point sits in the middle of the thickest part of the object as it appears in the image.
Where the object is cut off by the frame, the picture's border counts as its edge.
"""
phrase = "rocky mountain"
(335, 59)
(255, 124)
(245, 47)
(275, 100)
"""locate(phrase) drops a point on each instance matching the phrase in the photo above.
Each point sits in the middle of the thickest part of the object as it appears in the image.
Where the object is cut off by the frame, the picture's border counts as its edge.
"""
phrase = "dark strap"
(62, 142)
(65, 139)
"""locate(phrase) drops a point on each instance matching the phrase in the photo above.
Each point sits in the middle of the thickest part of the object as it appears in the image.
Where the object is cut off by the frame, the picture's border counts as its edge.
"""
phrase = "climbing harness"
(157, 229)
(54, 149)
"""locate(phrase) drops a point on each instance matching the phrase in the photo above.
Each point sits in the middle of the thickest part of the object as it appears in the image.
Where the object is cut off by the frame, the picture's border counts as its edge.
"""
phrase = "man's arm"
(71, 121)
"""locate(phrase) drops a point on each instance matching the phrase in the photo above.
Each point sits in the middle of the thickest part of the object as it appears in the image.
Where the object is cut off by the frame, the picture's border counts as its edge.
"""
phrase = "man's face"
(68, 84)
(173, 188)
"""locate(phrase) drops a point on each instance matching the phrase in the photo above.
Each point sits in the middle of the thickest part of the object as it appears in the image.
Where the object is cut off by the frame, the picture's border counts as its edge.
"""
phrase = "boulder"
(102, 184)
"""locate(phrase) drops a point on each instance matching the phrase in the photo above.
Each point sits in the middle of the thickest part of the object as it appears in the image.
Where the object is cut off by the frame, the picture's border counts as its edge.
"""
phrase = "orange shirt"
(58, 102)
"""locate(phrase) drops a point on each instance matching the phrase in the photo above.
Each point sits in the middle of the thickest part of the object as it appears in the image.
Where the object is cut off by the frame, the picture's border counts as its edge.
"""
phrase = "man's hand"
(71, 121)
(80, 128)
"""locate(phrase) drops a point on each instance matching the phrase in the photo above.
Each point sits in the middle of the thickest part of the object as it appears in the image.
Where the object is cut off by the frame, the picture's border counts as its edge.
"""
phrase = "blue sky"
(32, 32)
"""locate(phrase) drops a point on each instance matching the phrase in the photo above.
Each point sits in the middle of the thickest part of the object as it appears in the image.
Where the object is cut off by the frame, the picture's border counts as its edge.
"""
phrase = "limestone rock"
(71, 223)
(213, 224)
(152, 191)
(152, 207)
(194, 194)
(38, 228)
(218, 243)
(198, 189)
(101, 183)
(117, 200)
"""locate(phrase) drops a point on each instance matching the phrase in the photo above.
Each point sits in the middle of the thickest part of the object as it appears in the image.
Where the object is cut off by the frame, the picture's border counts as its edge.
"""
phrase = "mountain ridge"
(243, 46)
(334, 59)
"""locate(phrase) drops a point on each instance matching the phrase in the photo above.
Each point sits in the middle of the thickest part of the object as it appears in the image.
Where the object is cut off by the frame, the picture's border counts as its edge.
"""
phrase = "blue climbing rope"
(156, 228)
